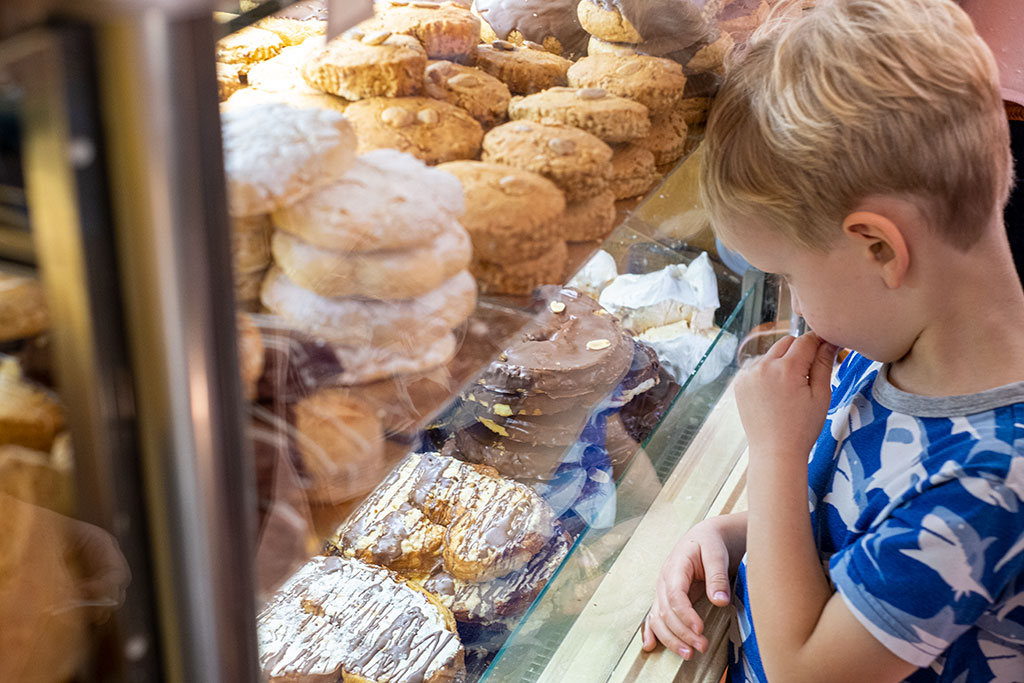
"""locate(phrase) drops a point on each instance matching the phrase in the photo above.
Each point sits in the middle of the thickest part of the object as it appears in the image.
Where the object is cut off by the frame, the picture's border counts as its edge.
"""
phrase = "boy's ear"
(881, 242)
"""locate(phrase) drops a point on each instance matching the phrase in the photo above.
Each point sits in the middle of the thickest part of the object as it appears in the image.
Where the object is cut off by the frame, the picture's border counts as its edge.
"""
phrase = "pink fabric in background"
(1001, 24)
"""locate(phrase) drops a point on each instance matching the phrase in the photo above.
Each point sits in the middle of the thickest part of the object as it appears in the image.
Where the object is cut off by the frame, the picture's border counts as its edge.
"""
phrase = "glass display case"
(204, 453)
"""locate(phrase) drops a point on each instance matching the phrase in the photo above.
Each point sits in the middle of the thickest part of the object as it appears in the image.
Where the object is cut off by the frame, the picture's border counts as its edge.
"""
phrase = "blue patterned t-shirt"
(917, 506)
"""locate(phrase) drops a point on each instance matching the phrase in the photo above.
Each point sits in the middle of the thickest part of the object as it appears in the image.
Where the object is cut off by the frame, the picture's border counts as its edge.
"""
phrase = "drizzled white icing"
(339, 615)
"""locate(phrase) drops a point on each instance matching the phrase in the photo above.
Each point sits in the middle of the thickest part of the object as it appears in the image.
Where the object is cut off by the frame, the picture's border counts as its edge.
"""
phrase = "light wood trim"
(605, 637)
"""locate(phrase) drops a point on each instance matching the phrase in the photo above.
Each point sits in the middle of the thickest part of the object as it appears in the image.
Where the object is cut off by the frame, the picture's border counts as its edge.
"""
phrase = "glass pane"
(392, 445)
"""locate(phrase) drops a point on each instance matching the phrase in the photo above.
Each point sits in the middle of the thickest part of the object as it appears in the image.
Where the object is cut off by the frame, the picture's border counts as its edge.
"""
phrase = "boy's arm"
(804, 631)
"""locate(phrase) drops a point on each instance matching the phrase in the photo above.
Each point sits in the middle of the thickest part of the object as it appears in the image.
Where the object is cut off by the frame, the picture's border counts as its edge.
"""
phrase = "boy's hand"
(783, 396)
(700, 555)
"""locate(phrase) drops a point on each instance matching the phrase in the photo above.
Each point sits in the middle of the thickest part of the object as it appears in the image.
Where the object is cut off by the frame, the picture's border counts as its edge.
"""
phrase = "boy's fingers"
(675, 635)
(648, 635)
(715, 559)
(821, 369)
(779, 348)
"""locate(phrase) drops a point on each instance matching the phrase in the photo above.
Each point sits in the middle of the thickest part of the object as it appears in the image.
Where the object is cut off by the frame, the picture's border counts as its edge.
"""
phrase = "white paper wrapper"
(680, 349)
(670, 295)
(595, 274)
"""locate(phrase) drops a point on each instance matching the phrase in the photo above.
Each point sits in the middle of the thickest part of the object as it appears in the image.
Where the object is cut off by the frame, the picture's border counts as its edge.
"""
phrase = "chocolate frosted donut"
(546, 431)
(575, 346)
(536, 21)
(478, 445)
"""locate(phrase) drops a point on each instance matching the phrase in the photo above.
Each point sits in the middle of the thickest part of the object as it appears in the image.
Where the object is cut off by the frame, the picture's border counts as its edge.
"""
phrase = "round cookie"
(667, 140)
(654, 82)
(275, 155)
(23, 308)
(607, 23)
(389, 200)
(589, 219)
(511, 215)
(633, 171)
(525, 70)
(389, 274)
(248, 45)
(522, 277)
(483, 96)
(574, 160)
(596, 46)
(377, 65)
(30, 416)
(446, 31)
(401, 324)
(552, 23)
(609, 117)
(429, 129)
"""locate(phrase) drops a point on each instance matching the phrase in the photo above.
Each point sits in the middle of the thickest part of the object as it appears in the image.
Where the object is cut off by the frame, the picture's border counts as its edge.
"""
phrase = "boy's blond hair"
(857, 98)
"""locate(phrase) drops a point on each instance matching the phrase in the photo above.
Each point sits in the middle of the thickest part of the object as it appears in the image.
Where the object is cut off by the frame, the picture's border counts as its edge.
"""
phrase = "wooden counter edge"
(605, 638)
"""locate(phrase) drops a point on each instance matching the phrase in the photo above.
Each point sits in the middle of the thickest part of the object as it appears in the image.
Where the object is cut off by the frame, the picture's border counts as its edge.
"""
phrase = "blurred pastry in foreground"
(29, 415)
(23, 308)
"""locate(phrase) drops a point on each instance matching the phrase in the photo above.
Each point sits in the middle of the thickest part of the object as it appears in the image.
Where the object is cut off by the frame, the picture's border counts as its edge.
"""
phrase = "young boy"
(861, 151)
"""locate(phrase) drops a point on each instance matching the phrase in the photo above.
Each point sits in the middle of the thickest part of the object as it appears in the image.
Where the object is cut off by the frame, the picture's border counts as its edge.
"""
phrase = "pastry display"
(483, 96)
(446, 30)
(373, 268)
(275, 155)
(341, 619)
(377, 64)
(574, 160)
(434, 509)
(23, 308)
(429, 129)
(524, 69)
(609, 117)
(553, 24)
(654, 82)
(283, 72)
(633, 171)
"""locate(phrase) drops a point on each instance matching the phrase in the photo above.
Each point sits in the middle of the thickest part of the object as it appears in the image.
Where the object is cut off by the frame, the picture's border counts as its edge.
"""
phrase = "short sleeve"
(943, 557)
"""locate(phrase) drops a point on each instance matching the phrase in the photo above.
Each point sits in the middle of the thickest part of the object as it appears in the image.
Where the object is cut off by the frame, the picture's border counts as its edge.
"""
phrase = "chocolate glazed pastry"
(537, 21)
(477, 444)
(668, 28)
(496, 600)
(641, 415)
(574, 348)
